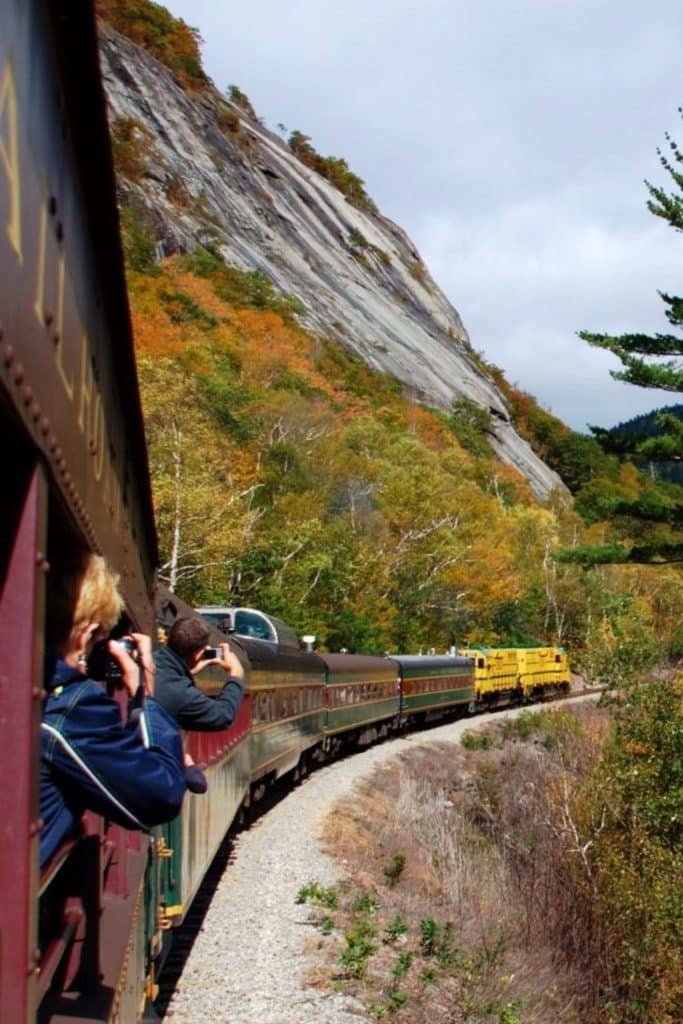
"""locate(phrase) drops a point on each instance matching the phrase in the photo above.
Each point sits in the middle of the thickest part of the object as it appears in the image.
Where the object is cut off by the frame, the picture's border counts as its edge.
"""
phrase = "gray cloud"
(511, 142)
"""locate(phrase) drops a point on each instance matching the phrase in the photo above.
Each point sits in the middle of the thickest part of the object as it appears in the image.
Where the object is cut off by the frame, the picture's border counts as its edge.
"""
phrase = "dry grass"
(474, 853)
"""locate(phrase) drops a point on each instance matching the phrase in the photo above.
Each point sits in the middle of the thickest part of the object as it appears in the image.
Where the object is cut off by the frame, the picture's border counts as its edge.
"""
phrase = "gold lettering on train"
(91, 424)
(87, 387)
(52, 306)
(59, 338)
(99, 437)
(39, 304)
(9, 155)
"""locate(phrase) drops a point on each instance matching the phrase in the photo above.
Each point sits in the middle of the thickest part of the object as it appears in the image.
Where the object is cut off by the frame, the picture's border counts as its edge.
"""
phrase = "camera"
(212, 653)
(102, 666)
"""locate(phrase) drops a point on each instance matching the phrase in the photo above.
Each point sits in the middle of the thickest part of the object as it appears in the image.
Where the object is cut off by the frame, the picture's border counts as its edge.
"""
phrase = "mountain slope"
(204, 172)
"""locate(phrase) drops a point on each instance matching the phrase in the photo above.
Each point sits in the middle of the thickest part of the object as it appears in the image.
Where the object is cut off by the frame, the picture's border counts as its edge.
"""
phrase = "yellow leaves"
(270, 448)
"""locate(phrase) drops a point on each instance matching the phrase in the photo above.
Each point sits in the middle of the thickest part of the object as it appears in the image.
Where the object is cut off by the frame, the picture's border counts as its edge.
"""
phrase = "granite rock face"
(217, 177)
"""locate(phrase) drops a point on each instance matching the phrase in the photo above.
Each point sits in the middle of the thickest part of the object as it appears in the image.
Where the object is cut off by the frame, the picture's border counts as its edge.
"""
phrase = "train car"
(496, 674)
(362, 699)
(542, 670)
(433, 684)
(287, 686)
(188, 845)
(507, 674)
(74, 939)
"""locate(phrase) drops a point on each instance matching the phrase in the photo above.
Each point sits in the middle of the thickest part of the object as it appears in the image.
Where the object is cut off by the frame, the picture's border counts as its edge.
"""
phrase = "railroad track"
(185, 935)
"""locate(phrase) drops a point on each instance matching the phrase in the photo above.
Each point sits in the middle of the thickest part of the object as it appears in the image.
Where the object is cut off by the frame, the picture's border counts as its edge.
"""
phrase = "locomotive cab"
(250, 624)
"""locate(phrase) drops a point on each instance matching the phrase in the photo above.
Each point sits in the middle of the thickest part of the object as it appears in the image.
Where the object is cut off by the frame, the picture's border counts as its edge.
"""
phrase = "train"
(304, 706)
(83, 938)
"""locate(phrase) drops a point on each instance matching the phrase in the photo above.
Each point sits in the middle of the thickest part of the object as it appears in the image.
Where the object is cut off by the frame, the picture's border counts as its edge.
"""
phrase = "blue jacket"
(131, 773)
(191, 708)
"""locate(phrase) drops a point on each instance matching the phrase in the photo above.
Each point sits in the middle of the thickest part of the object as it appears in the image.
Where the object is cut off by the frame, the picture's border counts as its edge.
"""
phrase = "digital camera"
(212, 653)
(102, 666)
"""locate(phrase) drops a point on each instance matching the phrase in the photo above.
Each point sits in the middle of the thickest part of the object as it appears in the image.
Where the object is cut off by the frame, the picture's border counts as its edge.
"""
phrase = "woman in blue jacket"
(131, 772)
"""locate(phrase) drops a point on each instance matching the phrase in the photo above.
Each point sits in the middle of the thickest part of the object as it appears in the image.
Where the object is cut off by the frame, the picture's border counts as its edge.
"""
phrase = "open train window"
(253, 624)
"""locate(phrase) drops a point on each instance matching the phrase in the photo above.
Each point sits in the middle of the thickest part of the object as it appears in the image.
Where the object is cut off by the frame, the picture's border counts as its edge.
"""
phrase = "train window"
(253, 624)
(220, 619)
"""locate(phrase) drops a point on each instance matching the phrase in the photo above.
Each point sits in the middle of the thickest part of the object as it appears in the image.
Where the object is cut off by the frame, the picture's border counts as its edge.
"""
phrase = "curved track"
(241, 960)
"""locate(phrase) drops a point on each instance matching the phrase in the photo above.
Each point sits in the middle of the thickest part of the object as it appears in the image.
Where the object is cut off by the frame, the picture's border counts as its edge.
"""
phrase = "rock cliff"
(213, 175)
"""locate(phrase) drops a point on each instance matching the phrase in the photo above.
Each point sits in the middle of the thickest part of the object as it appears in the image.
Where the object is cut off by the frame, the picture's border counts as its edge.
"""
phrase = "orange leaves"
(285, 467)
(169, 39)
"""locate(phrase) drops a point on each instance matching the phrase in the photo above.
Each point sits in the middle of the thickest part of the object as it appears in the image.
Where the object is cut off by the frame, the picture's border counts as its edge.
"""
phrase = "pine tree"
(650, 361)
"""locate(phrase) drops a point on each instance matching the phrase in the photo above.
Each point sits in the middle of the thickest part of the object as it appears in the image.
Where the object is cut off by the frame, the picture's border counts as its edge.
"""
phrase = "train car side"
(187, 845)
(543, 670)
(362, 699)
(287, 689)
(433, 684)
(510, 674)
(75, 475)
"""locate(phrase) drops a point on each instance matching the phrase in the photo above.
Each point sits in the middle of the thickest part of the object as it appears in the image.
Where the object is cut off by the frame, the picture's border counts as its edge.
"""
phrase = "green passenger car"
(361, 696)
(431, 683)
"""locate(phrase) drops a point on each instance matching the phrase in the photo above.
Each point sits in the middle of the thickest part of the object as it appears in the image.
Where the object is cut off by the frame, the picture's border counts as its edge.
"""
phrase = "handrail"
(57, 948)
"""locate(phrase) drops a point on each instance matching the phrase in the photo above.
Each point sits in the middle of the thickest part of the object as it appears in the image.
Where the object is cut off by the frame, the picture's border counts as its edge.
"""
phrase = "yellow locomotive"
(505, 674)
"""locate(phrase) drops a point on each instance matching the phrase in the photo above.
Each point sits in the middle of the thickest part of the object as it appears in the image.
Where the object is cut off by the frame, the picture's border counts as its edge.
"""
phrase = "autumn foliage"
(289, 476)
(174, 43)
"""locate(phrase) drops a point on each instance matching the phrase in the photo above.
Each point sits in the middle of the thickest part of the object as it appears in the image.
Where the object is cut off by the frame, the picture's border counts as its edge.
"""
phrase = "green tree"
(651, 361)
(204, 510)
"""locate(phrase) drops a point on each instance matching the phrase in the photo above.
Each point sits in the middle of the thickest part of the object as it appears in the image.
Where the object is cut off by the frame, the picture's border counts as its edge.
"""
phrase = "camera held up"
(103, 667)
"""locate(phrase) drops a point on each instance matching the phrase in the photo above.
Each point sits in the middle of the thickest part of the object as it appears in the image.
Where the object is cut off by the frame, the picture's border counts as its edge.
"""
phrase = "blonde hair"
(82, 590)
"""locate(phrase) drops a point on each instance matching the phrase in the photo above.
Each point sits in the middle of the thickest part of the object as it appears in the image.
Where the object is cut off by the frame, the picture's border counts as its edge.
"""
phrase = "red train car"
(74, 472)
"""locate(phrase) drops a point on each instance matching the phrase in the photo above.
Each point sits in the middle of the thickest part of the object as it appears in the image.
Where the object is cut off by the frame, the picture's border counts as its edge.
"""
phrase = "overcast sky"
(510, 140)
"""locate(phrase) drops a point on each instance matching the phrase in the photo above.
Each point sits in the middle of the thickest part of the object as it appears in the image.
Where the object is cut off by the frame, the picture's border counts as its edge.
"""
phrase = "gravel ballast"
(248, 962)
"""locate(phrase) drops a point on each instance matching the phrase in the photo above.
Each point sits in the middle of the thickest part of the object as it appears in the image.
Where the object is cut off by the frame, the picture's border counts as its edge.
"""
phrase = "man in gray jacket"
(182, 657)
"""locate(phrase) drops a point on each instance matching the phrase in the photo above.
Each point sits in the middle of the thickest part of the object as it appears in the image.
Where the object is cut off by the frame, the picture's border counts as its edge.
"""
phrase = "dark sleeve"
(134, 776)
(202, 713)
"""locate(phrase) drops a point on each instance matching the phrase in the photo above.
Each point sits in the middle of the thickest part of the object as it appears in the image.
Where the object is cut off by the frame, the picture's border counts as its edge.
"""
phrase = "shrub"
(481, 739)
(635, 824)
(169, 39)
(182, 309)
(471, 423)
(130, 147)
(394, 869)
(318, 895)
(137, 240)
(228, 121)
(241, 100)
(335, 170)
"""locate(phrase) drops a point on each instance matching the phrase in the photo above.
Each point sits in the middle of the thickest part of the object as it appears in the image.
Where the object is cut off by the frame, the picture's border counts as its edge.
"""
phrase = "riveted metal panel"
(66, 357)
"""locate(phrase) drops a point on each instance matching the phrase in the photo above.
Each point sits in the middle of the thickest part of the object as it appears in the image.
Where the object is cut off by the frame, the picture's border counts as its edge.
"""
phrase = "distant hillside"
(644, 426)
(198, 170)
(324, 441)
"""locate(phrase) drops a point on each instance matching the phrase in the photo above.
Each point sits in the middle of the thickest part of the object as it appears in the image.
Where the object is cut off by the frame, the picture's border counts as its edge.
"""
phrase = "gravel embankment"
(247, 962)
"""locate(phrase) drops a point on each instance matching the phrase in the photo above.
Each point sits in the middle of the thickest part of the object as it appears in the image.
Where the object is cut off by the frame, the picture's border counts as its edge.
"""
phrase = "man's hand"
(229, 661)
(226, 659)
